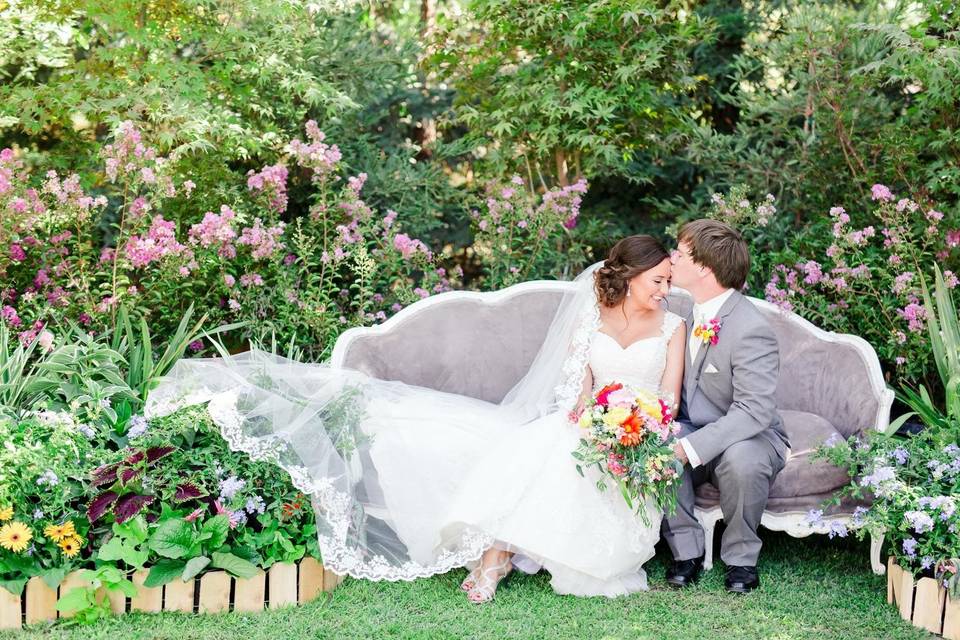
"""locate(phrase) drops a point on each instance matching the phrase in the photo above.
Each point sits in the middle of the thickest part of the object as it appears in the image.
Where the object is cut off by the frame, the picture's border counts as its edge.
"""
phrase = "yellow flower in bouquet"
(58, 532)
(6, 513)
(586, 420)
(70, 546)
(15, 536)
(616, 415)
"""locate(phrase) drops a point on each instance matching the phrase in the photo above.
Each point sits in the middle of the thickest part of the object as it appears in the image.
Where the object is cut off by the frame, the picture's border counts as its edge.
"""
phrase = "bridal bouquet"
(626, 433)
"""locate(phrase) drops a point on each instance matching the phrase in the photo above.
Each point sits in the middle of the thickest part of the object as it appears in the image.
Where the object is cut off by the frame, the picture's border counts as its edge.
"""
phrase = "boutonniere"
(708, 331)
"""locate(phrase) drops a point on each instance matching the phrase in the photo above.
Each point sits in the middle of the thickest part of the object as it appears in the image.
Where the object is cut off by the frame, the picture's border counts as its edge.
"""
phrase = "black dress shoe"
(741, 579)
(683, 573)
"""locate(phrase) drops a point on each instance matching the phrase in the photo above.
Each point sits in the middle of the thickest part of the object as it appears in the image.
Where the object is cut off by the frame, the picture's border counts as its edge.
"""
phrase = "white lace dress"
(519, 487)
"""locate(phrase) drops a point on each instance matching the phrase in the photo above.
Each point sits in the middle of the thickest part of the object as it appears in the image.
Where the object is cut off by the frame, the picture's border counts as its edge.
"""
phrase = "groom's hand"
(680, 452)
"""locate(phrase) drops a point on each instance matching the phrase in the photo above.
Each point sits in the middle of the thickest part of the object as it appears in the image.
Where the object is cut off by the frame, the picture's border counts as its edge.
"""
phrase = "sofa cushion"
(800, 476)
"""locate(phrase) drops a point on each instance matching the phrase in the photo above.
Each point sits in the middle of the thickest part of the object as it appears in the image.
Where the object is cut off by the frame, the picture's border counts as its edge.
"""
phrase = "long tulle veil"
(315, 422)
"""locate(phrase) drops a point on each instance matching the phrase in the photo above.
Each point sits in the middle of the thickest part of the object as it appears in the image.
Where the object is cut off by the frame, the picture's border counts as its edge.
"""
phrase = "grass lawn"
(812, 588)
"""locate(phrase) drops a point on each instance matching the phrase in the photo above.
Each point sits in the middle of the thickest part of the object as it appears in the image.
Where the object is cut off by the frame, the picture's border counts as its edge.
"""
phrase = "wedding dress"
(408, 482)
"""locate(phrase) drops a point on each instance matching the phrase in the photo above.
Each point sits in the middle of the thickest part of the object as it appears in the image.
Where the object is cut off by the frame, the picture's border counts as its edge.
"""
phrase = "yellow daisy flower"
(6, 513)
(70, 546)
(58, 532)
(15, 536)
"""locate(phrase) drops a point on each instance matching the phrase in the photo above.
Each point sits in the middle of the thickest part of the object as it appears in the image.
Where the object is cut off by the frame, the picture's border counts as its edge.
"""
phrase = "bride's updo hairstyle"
(629, 258)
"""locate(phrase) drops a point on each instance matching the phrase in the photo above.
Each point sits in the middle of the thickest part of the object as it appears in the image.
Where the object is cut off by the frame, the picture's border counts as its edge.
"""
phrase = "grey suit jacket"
(729, 392)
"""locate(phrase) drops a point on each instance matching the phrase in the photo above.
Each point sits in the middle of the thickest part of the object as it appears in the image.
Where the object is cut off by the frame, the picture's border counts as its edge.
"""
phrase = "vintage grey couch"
(480, 344)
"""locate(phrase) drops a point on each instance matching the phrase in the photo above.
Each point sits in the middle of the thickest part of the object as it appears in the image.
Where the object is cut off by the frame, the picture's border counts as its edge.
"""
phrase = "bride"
(408, 482)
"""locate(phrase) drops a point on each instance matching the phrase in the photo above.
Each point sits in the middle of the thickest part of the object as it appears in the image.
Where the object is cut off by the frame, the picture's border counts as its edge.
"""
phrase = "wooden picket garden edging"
(284, 584)
(924, 602)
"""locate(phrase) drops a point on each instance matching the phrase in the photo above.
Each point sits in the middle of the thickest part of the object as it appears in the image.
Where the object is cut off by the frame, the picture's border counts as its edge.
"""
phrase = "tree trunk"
(426, 133)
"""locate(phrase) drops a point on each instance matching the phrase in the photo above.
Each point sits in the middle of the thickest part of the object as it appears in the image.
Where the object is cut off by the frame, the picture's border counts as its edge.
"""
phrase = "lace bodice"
(640, 365)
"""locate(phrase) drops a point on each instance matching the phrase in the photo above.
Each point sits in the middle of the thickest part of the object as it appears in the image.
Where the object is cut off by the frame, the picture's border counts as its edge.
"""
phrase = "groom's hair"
(719, 247)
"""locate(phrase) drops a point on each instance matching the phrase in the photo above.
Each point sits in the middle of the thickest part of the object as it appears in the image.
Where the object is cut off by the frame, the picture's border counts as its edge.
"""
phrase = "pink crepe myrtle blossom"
(901, 282)
(263, 241)
(9, 314)
(139, 207)
(408, 246)
(316, 155)
(355, 183)
(915, 315)
(251, 280)
(881, 192)
(272, 182)
(159, 243)
(17, 254)
(389, 219)
(45, 340)
(216, 230)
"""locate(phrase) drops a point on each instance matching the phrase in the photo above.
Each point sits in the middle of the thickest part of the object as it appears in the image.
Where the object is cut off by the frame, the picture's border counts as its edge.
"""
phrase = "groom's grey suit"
(729, 417)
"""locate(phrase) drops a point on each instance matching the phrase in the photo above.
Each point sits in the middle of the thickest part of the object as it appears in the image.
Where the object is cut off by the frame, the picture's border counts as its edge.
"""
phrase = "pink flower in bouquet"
(604, 394)
(621, 398)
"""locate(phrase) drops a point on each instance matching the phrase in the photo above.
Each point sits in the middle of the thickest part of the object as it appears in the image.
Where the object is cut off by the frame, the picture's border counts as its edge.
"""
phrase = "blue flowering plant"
(913, 487)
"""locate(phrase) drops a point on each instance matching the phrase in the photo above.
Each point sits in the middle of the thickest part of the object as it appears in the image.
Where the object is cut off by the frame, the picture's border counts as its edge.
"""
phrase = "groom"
(732, 435)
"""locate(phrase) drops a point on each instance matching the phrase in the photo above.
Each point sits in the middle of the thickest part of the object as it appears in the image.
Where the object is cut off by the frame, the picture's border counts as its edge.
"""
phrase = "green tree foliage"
(563, 90)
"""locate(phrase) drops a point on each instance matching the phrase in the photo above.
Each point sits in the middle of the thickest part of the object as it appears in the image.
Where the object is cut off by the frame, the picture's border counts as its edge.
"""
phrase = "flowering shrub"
(915, 486)
(43, 463)
(867, 280)
(519, 236)
(305, 279)
(176, 500)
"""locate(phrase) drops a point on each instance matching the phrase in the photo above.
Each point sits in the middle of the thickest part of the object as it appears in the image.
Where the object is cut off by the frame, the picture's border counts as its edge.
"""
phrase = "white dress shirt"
(701, 314)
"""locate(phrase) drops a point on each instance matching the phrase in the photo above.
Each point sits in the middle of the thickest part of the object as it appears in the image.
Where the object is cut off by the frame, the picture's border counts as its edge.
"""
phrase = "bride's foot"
(489, 578)
(471, 579)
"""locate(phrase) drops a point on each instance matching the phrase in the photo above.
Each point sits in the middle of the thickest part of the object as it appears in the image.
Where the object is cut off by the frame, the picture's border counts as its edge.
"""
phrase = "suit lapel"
(687, 362)
(693, 372)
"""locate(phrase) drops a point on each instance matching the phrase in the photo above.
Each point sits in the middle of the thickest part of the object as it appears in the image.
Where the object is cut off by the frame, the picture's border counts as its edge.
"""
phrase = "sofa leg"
(876, 541)
(709, 523)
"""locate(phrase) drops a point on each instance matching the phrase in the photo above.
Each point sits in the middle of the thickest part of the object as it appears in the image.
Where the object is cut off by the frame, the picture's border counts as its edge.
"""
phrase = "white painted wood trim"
(793, 523)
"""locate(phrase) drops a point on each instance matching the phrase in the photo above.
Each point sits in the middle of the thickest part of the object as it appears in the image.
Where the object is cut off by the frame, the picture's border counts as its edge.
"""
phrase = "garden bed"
(284, 584)
(925, 603)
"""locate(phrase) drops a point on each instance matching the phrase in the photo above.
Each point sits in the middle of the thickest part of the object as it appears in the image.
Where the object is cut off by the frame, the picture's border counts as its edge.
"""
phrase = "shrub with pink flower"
(73, 255)
(520, 234)
(867, 280)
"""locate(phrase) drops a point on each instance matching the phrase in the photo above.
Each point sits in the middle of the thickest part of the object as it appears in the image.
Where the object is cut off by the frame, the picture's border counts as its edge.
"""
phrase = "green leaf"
(194, 567)
(896, 424)
(53, 577)
(126, 586)
(218, 527)
(163, 572)
(135, 529)
(111, 551)
(14, 586)
(75, 599)
(173, 538)
(135, 557)
(236, 566)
